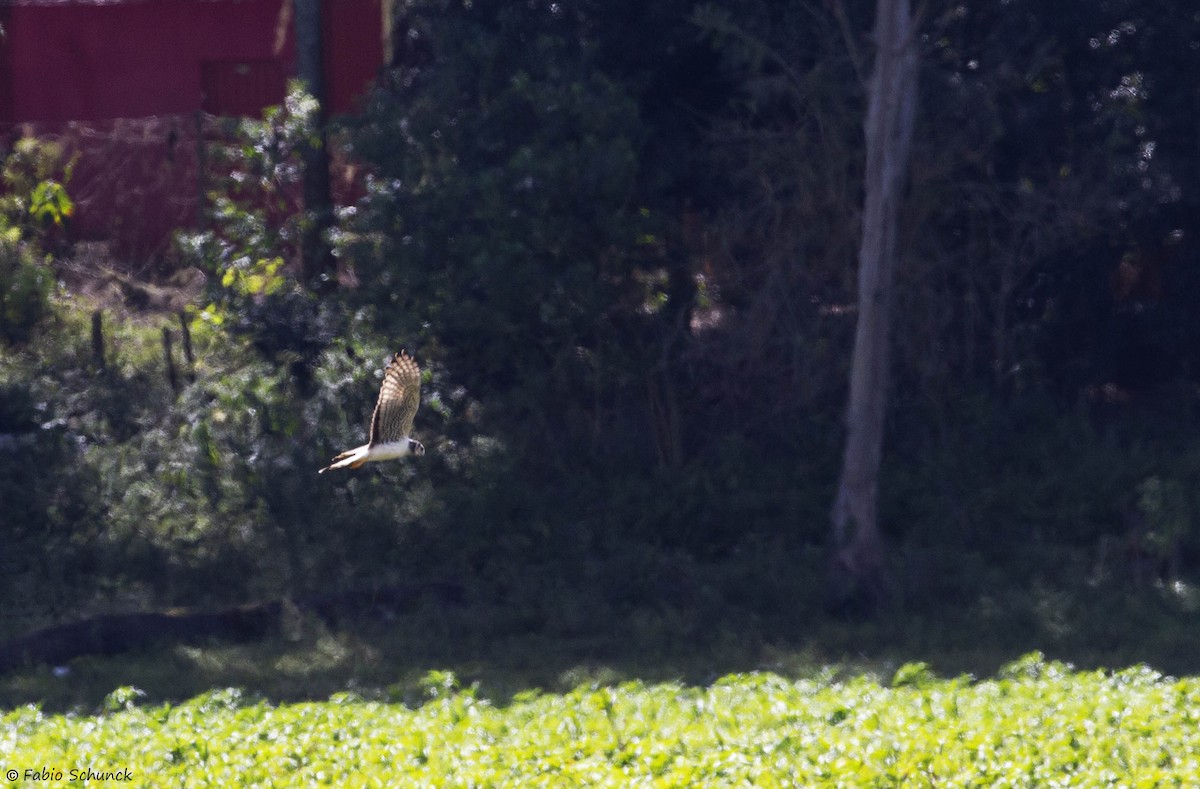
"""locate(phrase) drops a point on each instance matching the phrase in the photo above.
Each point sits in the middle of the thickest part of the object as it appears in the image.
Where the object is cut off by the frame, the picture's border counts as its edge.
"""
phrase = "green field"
(1037, 723)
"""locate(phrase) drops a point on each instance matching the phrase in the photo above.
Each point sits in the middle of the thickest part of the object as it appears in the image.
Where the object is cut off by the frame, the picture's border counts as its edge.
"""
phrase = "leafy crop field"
(1037, 724)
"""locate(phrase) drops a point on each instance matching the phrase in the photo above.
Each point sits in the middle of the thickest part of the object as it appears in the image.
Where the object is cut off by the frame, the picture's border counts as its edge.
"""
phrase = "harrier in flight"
(393, 418)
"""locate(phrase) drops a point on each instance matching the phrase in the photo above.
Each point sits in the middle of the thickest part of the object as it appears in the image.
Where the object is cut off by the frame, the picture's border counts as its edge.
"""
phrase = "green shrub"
(35, 197)
(54, 552)
(26, 282)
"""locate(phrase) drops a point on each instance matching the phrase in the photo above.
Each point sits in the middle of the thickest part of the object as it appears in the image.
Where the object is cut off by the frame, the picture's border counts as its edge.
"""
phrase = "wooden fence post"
(172, 377)
(186, 333)
(98, 339)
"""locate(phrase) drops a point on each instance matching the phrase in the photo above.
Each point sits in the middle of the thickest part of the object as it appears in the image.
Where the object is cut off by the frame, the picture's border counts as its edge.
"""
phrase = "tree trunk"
(317, 260)
(856, 574)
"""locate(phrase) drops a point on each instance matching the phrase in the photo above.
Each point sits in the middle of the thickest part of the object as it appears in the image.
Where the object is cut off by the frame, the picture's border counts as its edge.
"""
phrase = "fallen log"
(112, 634)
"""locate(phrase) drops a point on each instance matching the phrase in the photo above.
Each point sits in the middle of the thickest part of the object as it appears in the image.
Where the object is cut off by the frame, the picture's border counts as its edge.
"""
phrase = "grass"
(1037, 724)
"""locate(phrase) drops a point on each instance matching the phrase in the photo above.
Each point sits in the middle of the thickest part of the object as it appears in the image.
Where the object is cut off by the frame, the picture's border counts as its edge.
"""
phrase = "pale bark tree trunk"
(317, 260)
(858, 558)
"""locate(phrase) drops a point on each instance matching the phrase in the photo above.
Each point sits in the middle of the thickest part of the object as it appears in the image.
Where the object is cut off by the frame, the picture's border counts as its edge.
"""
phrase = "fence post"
(186, 333)
(98, 339)
(172, 377)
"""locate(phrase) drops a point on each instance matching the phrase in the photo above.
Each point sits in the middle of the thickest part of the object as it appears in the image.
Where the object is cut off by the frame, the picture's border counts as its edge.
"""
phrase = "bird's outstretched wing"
(398, 400)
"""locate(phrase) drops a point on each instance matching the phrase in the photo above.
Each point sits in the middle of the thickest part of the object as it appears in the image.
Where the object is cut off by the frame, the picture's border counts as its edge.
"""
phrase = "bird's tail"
(351, 458)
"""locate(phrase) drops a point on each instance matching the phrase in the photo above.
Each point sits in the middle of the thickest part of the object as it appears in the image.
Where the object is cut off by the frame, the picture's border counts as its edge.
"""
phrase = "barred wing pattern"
(399, 398)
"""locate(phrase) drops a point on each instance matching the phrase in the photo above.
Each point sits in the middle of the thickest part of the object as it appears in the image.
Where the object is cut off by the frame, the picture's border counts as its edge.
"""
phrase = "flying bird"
(392, 421)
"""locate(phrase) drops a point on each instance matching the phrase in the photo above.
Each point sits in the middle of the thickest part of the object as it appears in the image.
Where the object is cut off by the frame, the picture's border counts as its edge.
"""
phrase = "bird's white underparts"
(392, 420)
(353, 458)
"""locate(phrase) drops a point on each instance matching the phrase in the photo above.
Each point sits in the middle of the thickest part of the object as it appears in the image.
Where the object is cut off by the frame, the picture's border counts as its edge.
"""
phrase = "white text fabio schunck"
(73, 774)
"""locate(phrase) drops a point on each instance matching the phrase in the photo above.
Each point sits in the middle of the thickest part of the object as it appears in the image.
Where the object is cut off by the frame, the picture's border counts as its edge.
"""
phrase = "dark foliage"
(620, 238)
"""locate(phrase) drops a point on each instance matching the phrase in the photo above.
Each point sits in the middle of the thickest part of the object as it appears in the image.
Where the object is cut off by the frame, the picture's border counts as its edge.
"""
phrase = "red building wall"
(72, 60)
(124, 82)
